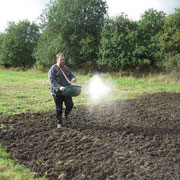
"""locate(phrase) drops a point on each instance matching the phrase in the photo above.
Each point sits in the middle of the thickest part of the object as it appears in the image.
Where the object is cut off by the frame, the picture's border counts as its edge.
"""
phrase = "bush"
(172, 62)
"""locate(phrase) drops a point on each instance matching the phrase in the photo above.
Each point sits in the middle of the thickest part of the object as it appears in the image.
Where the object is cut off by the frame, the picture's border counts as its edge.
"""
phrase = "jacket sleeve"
(53, 83)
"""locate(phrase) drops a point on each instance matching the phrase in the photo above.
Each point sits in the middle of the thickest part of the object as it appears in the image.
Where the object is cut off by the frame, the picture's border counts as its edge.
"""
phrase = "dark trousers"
(59, 99)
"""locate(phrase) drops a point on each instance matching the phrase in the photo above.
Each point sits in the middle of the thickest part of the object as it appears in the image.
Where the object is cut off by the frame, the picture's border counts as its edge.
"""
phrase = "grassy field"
(23, 92)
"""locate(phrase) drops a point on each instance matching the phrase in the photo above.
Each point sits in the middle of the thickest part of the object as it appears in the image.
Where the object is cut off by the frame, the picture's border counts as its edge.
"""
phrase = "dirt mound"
(124, 139)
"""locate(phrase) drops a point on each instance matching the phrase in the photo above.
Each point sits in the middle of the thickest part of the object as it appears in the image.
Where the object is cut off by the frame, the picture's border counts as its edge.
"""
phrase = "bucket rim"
(73, 86)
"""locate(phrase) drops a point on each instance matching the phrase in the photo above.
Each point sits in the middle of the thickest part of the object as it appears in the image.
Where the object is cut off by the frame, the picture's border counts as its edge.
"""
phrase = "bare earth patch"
(124, 139)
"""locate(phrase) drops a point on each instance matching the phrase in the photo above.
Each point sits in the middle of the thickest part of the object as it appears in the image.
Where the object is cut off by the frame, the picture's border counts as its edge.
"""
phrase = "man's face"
(60, 60)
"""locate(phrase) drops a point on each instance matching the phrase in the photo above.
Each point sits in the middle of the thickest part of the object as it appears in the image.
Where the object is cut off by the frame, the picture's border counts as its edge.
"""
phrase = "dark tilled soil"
(125, 139)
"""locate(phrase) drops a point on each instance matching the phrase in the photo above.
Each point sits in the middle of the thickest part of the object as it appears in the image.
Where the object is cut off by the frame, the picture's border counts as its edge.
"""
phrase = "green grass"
(23, 92)
(137, 87)
(129, 87)
(28, 92)
(11, 171)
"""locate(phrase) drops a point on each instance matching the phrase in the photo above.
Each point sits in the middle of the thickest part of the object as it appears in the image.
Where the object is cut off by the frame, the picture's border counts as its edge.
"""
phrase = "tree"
(170, 39)
(170, 42)
(117, 42)
(73, 27)
(150, 28)
(18, 43)
(1, 41)
(126, 43)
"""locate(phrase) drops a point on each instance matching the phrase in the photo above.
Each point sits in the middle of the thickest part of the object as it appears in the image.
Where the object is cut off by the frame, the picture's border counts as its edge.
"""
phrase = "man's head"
(60, 59)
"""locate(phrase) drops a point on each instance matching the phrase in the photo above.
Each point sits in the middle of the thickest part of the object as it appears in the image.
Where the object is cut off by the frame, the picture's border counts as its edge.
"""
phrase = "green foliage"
(80, 30)
(170, 39)
(1, 41)
(172, 62)
(117, 42)
(46, 49)
(126, 43)
(150, 28)
(72, 27)
(17, 44)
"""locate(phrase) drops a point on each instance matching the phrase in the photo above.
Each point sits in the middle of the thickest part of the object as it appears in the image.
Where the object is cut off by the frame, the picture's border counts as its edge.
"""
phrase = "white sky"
(15, 10)
(135, 8)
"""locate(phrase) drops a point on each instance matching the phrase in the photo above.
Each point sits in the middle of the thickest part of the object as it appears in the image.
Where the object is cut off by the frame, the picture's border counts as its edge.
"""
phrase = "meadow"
(23, 92)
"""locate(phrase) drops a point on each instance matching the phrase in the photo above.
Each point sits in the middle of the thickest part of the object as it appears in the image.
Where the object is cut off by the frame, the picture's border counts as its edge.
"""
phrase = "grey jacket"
(57, 79)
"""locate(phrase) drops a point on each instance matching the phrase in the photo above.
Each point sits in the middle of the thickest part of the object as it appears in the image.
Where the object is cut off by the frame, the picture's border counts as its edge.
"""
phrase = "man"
(58, 83)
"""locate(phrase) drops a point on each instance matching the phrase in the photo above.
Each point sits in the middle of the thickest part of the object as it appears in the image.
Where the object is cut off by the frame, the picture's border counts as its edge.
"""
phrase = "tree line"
(87, 36)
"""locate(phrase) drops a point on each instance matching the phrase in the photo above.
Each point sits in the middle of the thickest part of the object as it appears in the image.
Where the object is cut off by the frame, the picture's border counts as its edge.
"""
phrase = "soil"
(124, 139)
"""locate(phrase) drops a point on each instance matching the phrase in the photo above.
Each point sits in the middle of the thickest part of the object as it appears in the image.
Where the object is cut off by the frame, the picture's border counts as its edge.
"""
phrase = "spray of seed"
(97, 89)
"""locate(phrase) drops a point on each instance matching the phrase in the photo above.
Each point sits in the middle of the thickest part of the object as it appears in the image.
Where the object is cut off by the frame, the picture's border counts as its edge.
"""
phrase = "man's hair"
(59, 54)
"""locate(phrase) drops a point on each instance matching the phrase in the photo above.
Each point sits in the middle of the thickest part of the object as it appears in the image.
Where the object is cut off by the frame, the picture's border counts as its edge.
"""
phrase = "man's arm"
(53, 83)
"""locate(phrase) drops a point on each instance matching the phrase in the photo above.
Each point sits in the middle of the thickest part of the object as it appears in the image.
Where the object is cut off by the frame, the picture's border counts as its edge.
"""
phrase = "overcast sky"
(15, 10)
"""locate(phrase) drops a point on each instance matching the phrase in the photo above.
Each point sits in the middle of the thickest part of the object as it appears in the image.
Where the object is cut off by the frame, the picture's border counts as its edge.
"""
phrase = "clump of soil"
(124, 139)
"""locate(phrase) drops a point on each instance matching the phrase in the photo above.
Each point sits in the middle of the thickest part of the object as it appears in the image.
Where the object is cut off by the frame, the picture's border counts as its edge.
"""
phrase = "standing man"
(58, 84)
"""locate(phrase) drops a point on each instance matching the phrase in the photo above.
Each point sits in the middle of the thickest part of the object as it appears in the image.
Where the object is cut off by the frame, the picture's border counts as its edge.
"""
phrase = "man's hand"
(73, 80)
(62, 88)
